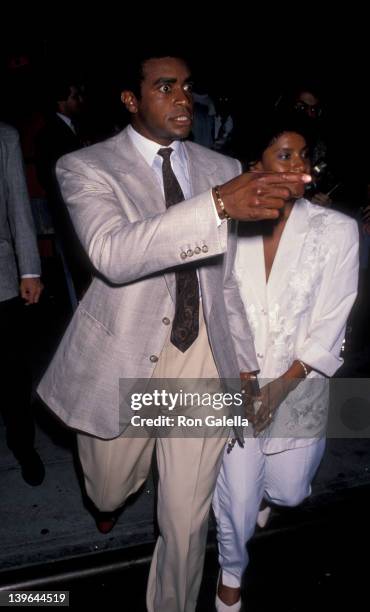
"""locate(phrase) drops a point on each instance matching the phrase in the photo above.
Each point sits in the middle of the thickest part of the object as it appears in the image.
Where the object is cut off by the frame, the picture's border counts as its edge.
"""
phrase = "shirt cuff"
(319, 358)
(30, 275)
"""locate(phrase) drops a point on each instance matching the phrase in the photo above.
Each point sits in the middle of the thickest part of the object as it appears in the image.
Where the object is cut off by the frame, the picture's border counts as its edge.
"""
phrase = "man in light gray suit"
(142, 317)
(18, 258)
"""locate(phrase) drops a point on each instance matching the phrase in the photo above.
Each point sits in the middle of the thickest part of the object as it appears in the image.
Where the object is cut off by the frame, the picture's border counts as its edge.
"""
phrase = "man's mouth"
(183, 119)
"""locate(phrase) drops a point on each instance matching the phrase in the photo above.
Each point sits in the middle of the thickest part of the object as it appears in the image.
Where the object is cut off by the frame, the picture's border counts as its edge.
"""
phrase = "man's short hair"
(59, 88)
(134, 73)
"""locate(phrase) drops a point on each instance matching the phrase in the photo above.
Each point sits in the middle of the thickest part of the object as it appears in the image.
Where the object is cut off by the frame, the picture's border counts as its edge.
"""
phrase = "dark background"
(252, 58)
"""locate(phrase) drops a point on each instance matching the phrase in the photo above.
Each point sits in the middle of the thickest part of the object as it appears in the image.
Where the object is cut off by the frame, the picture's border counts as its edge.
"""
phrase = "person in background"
(204, 111)
(20, 286)
(306, 102)
(223, 124)
(59, 136)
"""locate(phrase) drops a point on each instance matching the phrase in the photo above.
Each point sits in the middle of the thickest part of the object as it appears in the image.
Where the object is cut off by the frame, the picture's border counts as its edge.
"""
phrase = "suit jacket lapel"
(251, 260)
(141, 184)
(201, 169)
(250, 268)
(289, 250)
(141, 181)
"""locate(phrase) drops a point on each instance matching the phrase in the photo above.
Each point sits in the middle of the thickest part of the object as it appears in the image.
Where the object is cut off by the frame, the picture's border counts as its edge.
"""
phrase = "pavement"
(49, 539)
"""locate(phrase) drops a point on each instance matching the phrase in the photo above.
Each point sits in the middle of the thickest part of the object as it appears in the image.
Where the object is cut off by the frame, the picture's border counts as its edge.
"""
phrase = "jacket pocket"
(89, 316)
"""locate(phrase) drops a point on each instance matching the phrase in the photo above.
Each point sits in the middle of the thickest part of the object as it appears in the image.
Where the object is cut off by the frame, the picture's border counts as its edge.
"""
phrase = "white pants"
(247, 476)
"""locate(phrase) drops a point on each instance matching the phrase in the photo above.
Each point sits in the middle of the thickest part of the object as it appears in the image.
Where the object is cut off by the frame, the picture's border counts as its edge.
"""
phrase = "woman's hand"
(251, 392)
(275, 392)
(272, 395)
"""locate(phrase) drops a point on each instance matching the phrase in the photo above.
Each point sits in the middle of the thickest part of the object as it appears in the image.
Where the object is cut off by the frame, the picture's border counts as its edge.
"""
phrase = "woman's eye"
(284, 156)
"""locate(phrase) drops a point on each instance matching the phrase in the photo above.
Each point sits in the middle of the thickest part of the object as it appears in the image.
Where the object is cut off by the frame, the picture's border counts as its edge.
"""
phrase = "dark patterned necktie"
(185, 327)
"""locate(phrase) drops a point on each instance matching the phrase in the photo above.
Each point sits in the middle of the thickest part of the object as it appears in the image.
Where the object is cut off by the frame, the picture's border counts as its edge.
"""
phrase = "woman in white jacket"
(298, 279)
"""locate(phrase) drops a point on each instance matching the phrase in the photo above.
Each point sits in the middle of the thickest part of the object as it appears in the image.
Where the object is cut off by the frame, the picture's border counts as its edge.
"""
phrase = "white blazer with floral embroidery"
(301, 312)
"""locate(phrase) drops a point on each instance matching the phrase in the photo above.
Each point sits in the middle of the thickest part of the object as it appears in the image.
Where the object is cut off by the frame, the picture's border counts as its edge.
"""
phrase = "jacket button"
(183, 255)
(197, 250)
(205, 248)
(189, 253)
(153, 358)
(166, 320)
(259, 355)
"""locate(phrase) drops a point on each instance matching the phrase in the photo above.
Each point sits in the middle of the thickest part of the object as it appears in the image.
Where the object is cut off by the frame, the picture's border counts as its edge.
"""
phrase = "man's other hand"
(30, 290)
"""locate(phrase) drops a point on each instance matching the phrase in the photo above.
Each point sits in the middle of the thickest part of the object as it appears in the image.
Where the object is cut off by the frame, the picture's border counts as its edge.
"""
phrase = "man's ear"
(129, 100)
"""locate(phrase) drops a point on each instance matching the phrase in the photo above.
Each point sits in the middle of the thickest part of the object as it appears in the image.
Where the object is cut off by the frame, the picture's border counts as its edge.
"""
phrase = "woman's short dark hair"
(270, 129)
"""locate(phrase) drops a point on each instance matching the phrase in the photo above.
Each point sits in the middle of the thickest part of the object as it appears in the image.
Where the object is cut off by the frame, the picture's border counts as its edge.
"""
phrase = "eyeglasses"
(303, 107)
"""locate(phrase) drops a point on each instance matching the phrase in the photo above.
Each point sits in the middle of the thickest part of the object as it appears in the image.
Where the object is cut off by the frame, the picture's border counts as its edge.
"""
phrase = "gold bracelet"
(303, 367)
(220, 203)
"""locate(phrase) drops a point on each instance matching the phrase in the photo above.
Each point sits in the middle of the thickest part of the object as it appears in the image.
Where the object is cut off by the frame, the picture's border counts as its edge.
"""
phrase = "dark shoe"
(33, 471)
(105, 521)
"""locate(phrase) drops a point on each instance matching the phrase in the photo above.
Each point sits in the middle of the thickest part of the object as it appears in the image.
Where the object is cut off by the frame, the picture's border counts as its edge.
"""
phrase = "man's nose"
(182, 97)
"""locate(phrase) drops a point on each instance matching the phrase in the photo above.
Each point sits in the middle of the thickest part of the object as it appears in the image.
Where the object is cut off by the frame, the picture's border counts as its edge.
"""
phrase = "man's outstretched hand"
(256, 196)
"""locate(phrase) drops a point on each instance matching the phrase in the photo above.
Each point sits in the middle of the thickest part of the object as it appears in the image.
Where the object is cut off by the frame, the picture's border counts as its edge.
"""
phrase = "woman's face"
(288, 153)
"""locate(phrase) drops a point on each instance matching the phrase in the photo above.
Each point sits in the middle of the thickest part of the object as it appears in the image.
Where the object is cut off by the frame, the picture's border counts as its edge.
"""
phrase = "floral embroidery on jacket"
(301, 290)
(305, 409)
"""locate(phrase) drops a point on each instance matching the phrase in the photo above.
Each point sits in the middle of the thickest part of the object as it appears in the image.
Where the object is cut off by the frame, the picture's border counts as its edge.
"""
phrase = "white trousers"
(188, 469)
(247, 476)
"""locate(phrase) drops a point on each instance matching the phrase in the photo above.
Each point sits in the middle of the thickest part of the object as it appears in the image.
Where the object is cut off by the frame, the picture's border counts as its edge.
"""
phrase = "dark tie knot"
(165, 153)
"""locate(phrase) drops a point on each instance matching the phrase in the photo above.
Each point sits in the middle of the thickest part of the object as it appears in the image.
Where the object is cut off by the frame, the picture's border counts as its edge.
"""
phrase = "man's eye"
(188, 87)
(165, 88)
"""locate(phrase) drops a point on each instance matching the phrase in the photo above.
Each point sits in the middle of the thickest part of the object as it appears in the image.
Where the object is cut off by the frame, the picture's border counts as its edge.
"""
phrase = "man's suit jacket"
(120, 328)
(54, 140)
(18, 244)
(301, 312)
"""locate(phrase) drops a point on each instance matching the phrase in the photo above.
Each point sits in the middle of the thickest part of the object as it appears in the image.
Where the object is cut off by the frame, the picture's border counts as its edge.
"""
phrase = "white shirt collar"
(149, 148)
(68, 121)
